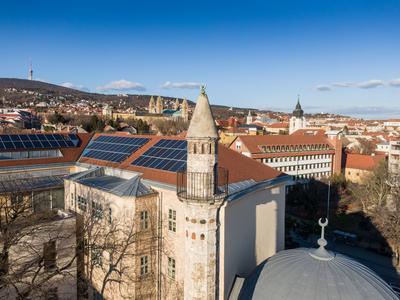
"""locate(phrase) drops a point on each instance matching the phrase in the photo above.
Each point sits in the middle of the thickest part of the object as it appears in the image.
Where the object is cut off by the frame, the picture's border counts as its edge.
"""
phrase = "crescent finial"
(324, 224)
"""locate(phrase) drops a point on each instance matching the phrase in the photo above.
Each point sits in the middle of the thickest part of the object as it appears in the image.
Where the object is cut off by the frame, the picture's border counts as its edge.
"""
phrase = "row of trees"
(96, 124)
(380, 200)
(171, 127)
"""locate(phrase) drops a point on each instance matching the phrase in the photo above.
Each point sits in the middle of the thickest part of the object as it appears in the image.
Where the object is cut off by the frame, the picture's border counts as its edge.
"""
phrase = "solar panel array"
(35, 141)
(113, 148)
(169, 155)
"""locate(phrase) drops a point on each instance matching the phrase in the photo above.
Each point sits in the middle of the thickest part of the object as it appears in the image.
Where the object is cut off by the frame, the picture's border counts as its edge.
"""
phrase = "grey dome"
(304, 274)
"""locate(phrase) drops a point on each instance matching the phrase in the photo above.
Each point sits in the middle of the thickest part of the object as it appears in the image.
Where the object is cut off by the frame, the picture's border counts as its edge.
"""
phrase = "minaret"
(159, 105)
(202, 199)
(176, 104)
(151, 105)
(30, 71)
(297, 121)
(184, 108)
(249, 118)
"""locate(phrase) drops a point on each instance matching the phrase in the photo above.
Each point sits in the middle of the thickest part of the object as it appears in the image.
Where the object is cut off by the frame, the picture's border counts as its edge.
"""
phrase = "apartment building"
(301, 156)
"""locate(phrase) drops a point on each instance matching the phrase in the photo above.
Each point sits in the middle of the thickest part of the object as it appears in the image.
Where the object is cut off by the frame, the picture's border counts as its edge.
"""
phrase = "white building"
(394, 157)
(297, 121)
(301, 156)
(221, 213)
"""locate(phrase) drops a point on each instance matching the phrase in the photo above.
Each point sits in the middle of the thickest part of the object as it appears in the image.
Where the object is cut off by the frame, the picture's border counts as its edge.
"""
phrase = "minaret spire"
(202, 192)
(202, 124)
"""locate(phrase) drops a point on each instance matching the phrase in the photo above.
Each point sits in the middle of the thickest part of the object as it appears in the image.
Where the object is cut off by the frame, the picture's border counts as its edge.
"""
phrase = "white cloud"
(371, 84)
(395, 82)
(323, 88)
(343, 84)
(181, 85)
(75, 87)
(121, 85)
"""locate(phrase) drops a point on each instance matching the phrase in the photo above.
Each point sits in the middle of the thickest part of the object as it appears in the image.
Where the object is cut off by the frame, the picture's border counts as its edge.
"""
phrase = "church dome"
(305, 273)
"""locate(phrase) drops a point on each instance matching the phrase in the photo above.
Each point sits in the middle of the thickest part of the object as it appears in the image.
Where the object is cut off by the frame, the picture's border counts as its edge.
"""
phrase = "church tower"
(249, 118)
(176, 104)
(159, 105)
(297, 121)
(184, 108)
(152, 108)
(201, 191)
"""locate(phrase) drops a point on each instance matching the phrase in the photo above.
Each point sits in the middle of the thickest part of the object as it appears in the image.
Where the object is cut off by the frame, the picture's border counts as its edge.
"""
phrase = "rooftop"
(240, 168)
(97, 178)
(363, 162)
(254, 142)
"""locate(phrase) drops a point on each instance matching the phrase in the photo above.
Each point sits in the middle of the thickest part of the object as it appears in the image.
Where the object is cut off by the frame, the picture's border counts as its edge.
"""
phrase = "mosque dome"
(305, 273)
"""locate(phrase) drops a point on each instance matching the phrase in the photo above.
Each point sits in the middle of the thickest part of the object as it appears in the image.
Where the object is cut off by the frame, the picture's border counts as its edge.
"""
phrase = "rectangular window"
(82, 203)
(171, 267)
(97, 210)
(109, 215)
(144, 220)
(97, 295)
(72, 200)
(52, 294)
(49, 255)
(172, 220)
(97, 256)
(144, 265)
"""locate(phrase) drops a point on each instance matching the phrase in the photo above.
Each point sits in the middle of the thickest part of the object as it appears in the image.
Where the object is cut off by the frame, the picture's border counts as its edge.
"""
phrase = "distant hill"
(35, 86)
(44, 92)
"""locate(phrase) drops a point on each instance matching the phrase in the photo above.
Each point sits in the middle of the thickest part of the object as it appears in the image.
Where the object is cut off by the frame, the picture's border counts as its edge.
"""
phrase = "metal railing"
(202, 186)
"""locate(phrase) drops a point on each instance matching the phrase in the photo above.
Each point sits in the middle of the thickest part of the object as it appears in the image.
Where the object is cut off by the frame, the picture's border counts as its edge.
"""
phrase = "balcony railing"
(202, 186)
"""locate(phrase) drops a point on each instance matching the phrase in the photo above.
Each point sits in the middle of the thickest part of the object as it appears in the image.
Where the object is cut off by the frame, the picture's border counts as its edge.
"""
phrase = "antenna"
(30, 70)
(329, 199)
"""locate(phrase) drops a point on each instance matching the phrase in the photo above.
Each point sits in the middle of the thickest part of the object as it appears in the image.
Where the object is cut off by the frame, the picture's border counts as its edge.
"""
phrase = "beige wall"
(356, 175)
(252, 229)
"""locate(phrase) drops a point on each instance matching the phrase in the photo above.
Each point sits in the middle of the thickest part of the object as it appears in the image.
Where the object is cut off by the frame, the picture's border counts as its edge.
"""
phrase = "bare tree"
(122, 249)
(171, 127)
(37, 249)
(380, 199)
(375, 191)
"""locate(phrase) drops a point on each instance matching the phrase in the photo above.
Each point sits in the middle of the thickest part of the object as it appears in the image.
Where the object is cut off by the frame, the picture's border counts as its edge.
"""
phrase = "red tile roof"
(309, 132)
(239, 167)
(278, 125)
(363, 162)
(253, 142)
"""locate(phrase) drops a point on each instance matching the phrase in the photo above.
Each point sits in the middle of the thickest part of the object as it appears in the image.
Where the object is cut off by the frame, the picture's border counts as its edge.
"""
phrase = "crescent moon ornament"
(323, 224)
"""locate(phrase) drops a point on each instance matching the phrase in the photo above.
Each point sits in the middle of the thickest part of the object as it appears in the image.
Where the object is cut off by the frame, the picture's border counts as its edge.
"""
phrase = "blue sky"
(340, 56)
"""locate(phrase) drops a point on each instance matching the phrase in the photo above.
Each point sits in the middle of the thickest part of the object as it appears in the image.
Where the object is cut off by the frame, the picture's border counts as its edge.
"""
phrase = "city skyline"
(340, 57)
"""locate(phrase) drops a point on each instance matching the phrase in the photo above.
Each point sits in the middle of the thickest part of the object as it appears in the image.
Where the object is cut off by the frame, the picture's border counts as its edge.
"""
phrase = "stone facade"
(152, 108)
(159, 105)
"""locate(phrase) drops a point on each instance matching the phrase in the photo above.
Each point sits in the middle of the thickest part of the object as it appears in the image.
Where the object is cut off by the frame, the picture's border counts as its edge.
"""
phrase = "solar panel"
(113, 148)
(169, 155)
(36, 141)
